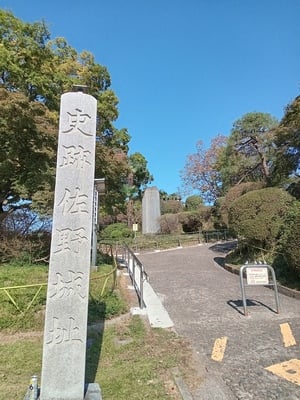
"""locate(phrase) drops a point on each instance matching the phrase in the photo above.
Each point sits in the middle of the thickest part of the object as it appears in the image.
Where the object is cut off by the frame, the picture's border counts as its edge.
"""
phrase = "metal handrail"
(135, 269)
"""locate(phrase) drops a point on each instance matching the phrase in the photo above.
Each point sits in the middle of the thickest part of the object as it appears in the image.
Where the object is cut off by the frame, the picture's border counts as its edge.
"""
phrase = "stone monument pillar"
(151, 211)
(64, 350)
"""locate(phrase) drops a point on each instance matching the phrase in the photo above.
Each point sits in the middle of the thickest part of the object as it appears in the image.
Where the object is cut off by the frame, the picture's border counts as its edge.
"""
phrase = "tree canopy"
(249, 152)
(193, 202)
(201, 172)
(287, 164)
(27, 147)
(34, 71)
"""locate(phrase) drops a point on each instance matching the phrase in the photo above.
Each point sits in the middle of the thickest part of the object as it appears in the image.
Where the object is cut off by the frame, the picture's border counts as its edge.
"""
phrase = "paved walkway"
(204, 302)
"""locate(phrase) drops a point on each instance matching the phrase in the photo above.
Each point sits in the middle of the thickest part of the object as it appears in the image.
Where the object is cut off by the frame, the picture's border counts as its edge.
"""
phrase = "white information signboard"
(135, 227)
(257, 276)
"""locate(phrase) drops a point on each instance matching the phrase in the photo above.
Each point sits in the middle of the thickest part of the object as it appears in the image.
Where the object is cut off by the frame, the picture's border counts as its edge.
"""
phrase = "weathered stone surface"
(93, 392)
(64, 351)
(151, 211)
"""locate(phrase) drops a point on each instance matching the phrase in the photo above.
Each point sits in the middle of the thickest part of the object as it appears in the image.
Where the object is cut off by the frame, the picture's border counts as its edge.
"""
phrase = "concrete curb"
(157, 314)
(182, 387)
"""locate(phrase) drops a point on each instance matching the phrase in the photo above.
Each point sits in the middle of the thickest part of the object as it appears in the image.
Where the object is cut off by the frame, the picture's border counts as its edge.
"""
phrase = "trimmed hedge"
(289, 243)
(259, 215)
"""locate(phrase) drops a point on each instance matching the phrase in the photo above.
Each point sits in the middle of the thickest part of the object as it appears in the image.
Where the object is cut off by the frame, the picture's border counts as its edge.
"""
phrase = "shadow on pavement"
(224, 247)
(237, 304)
(220, 261)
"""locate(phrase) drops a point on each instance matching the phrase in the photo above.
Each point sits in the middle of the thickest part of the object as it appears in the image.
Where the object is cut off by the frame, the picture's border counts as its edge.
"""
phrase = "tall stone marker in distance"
(64, 349)
(151, 211)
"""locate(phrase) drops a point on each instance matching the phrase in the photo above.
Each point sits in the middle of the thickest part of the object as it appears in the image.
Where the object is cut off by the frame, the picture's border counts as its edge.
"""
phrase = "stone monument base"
(93, 392)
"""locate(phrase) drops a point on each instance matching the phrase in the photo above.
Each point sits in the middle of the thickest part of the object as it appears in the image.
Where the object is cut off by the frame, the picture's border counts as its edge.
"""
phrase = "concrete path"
(246, 358)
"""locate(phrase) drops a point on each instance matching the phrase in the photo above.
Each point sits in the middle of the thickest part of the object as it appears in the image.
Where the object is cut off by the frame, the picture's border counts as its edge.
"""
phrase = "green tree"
(24, 56)
(249, 152)
(42, 69)
(141, 174)
(193, 202)
(287, 140)
(27, 148)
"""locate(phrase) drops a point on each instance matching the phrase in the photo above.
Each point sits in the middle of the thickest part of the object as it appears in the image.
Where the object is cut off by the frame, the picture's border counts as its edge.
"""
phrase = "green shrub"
(107, 307)
(169, 224)
(292, 248)
(224, 204)
(288, 258)
(116, 231)
(190, 221)
(258, 216)
(24, 249)
(171, 206)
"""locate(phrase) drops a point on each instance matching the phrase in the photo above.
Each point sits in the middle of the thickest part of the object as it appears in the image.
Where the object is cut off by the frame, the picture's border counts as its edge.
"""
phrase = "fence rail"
(11, 292)
(125, 256)
(8, 291)
(164, 241)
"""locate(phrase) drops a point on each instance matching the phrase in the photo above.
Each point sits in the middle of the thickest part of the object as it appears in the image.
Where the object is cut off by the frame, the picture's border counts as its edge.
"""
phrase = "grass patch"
(135, 363)
(20, 360)
(105, 301)
(128, 360)
(12, 318)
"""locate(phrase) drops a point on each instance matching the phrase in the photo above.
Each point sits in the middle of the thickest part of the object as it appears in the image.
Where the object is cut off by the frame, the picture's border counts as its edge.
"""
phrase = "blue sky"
(183, 70)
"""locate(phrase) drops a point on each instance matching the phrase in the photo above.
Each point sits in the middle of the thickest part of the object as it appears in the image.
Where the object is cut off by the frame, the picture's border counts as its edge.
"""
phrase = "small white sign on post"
(135, 227)
(257, 276)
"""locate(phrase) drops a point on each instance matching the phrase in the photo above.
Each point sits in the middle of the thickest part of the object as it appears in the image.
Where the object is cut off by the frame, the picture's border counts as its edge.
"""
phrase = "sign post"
(258, 274)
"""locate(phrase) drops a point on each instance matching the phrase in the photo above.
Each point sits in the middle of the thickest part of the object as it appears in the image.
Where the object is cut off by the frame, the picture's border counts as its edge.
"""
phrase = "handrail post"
(142, 287)
(243, 290)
